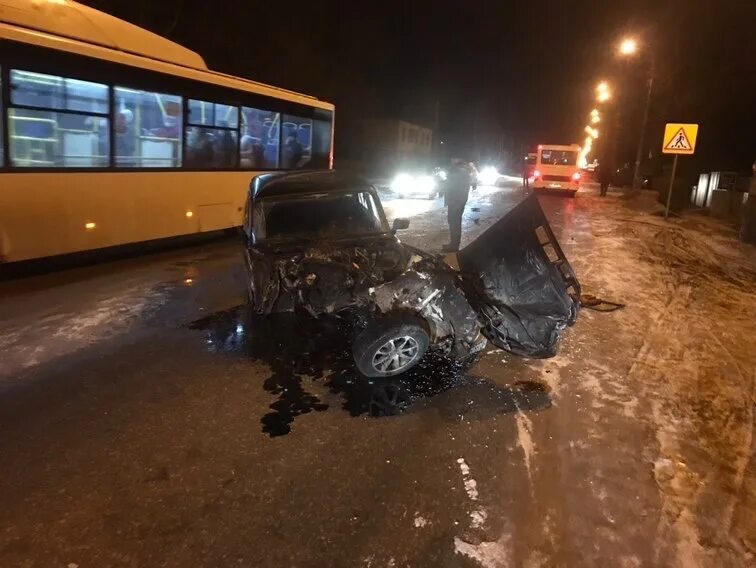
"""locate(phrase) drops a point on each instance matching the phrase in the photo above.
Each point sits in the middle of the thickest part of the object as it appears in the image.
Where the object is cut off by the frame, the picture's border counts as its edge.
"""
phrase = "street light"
(628, 46)
(602, 92)
(584, 151)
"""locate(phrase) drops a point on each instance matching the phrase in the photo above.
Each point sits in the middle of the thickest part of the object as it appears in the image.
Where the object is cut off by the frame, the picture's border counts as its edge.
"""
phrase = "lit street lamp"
(602, 92)
(628, 47)
(592, 132)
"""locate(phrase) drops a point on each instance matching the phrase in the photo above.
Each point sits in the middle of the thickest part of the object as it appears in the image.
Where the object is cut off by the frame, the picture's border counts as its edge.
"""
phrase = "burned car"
(319, 243)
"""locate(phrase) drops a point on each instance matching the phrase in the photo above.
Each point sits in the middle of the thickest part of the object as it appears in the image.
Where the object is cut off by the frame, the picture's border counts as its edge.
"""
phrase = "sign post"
(678, 139)
(671, 184)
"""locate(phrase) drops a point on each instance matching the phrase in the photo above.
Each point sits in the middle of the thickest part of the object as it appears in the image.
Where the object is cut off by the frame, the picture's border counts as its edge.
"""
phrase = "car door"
(520, 283)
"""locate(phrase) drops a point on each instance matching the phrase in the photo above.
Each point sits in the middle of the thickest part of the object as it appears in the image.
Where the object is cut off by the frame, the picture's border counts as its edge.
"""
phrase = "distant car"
(417, 184)
(319, 243)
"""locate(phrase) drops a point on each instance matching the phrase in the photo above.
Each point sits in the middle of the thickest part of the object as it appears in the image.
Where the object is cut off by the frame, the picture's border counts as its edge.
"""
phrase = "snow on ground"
(688, 340)
(29, 341)
(653, 404)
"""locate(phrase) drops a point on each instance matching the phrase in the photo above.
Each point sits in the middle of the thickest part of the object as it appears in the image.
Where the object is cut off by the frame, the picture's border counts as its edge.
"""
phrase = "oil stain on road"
(300, 350)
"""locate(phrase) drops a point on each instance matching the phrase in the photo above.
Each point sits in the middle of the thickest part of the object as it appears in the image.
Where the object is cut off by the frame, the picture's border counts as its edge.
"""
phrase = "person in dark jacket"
(456, 190)
(291, 151)
(604, 175)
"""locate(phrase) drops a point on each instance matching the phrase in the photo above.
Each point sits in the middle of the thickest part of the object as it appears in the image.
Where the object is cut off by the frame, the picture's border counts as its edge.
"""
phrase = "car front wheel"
(388, 348)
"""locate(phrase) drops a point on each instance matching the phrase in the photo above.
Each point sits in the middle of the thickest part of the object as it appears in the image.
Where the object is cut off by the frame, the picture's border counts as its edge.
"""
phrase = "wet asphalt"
(146, 419)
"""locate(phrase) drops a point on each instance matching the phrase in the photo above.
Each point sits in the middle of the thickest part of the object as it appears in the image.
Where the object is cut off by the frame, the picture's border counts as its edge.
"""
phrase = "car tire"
(387, 348)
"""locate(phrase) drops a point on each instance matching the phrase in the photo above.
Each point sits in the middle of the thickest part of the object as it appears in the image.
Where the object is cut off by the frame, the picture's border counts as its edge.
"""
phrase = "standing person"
(292, 151)
(457, 188)
(251, 150)
(604, 175)
(473, 176)
(528, 168)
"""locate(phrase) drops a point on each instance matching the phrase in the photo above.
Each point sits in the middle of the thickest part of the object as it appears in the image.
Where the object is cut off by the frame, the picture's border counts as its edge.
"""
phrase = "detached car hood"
(519, 281)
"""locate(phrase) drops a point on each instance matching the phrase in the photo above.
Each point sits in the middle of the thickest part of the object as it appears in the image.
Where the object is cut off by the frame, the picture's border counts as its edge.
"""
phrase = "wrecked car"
(319, 243)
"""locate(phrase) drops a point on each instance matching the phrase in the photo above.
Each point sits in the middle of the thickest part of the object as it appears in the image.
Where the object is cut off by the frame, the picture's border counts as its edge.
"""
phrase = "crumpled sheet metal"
(520, 291)
(437, 298)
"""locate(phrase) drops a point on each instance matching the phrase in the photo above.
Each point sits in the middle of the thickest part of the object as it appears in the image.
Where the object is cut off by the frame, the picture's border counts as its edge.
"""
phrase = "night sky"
(522, 70)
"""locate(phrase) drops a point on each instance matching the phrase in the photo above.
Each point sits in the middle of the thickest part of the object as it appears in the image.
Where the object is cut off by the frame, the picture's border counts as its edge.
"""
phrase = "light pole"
(628, 47)
(611, 131)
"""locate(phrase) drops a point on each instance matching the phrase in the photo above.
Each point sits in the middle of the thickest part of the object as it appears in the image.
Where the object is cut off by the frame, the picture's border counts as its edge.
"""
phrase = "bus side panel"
(46, 214)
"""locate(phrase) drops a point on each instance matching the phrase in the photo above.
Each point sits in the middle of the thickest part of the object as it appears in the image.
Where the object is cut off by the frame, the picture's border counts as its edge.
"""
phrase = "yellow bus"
(556, 168)
(110, 134)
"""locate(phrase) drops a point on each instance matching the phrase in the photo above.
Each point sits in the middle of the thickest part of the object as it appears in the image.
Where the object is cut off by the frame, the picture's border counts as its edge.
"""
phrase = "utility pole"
(436, 129)
(641, 140)
(618, 100)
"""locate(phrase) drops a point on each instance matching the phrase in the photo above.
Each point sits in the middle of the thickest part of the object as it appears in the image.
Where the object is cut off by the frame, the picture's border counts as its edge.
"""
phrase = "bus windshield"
(558, 157)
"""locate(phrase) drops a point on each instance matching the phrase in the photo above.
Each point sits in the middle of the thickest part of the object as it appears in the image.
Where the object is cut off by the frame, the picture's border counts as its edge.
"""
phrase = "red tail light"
(576, 176)
(536, 174)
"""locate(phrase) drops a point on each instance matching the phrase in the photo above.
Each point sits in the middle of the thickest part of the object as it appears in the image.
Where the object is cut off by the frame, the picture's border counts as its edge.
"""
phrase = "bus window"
(260, 139)
(296, 145)
(558, 157)
(202, 113)
(42, 134)
(213, 146)
(321, 139)
(61, 93)
(148, 129)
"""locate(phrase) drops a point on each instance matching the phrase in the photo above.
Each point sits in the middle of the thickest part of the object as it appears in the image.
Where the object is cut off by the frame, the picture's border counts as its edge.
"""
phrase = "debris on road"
(599, 304)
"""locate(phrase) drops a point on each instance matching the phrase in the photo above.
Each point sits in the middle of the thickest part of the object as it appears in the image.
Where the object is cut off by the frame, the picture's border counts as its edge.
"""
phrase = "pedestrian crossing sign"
(680, 138)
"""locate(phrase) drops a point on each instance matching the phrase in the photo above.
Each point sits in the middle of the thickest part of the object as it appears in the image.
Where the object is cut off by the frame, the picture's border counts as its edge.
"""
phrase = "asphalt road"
(146, 420)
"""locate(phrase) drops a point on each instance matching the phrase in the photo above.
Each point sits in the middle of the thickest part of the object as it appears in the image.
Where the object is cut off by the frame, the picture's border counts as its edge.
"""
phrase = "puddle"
(304, 353)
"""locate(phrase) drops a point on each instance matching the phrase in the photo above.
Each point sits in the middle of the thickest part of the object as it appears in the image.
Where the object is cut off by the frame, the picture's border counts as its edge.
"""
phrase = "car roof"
(288, 183)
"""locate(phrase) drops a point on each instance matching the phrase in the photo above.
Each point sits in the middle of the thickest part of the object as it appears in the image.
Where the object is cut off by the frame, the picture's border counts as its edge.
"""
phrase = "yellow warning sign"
(680, 138)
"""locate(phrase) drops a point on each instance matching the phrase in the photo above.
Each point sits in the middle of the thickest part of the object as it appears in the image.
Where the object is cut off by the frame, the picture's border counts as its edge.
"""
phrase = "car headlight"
(402, 183)
(408, 183)
(425, 184)
(442, 174)
(488, 175)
